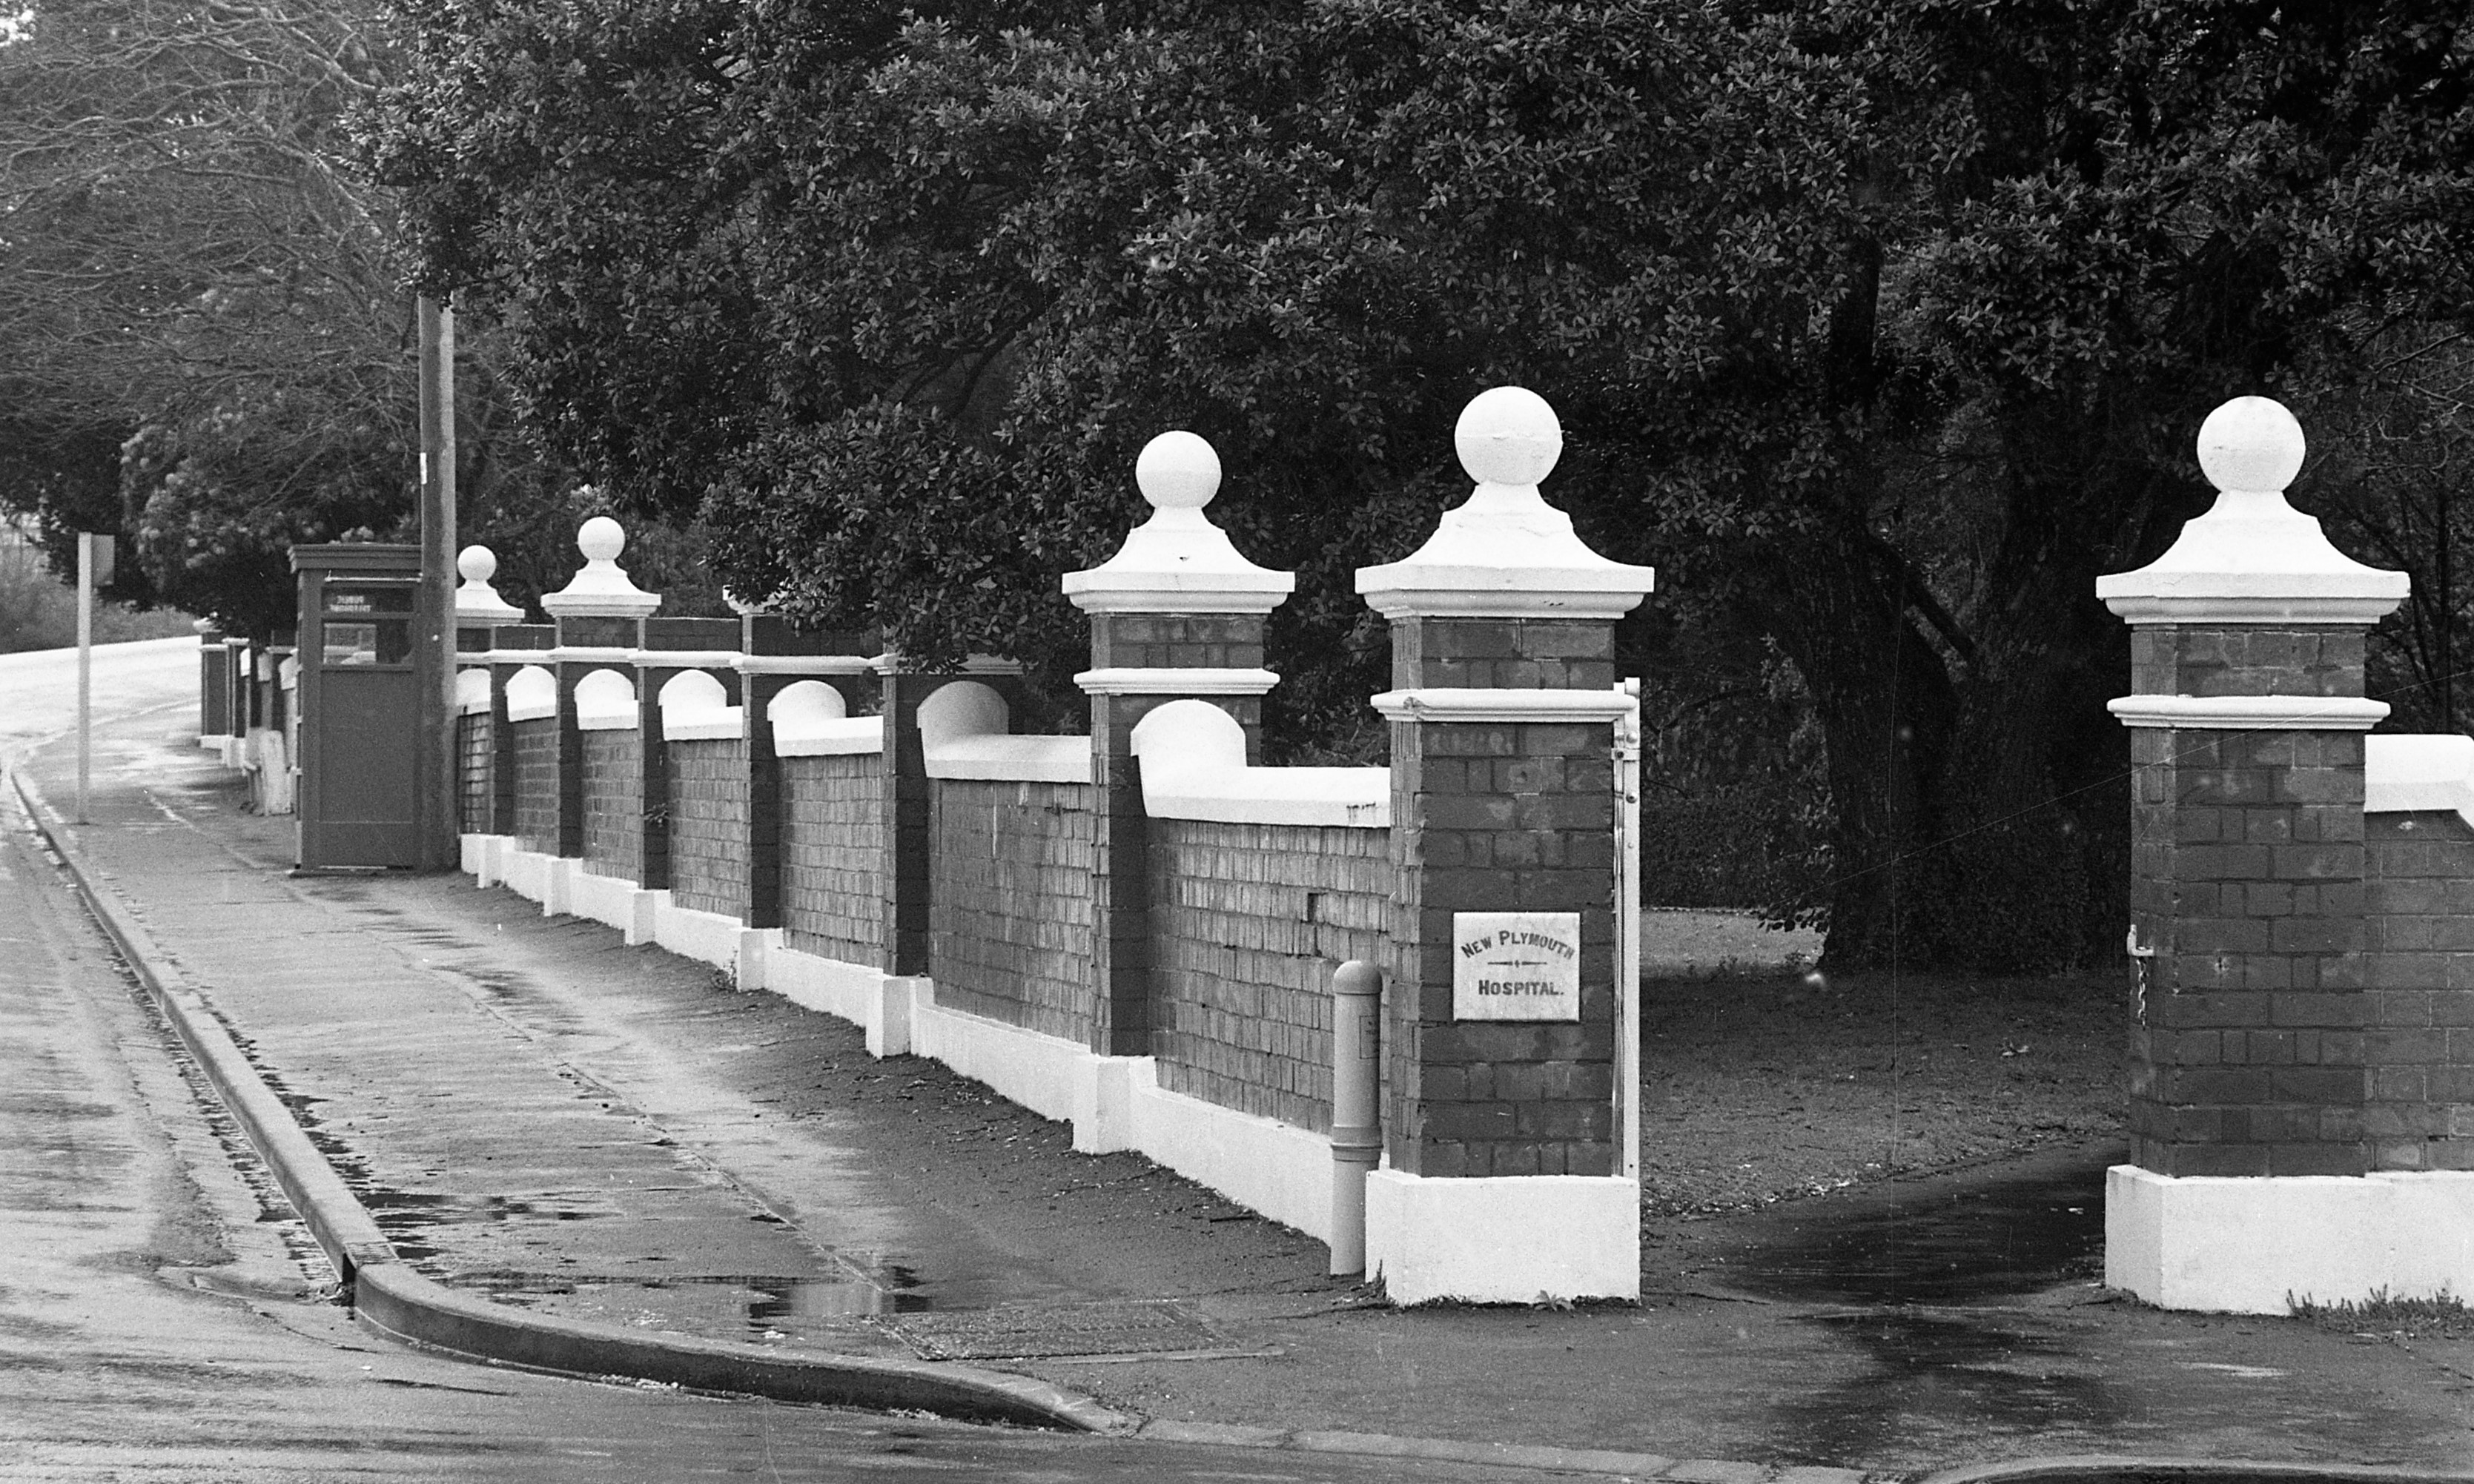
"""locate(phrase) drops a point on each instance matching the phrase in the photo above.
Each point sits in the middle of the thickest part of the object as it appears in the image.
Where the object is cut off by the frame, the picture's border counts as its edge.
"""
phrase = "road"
(156, 1324)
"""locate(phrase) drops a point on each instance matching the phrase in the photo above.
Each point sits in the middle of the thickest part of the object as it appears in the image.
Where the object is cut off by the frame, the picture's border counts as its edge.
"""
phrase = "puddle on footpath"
(1936, 1282)
(1949, 1241)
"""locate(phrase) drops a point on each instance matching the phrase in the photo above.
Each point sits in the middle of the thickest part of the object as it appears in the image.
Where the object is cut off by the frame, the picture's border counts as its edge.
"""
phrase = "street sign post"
(95, 557)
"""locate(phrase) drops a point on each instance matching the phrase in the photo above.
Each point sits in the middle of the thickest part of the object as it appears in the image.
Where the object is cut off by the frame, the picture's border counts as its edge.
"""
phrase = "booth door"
(359, 728)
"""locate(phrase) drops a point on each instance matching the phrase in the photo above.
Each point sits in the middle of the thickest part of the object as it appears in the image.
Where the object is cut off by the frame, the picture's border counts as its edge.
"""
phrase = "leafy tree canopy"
(1880, 326)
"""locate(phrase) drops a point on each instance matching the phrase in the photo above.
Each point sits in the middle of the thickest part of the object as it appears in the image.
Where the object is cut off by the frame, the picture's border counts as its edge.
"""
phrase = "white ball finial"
(600, 539)
(1508, 435)
(2251, 443)
(1177, 471)
(477, 564)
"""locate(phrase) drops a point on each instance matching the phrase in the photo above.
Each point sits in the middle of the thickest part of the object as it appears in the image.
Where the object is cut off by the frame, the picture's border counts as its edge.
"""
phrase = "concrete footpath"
(517, 1139)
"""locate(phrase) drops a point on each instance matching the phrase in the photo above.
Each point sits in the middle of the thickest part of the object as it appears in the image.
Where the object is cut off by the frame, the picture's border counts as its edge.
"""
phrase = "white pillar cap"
(1177, 561)
(1506, 553)
(476, 601)
(2253, 558)
(602, 589)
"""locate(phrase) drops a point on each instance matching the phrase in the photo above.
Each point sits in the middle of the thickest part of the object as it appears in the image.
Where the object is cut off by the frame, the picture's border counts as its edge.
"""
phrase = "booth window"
(359, 629)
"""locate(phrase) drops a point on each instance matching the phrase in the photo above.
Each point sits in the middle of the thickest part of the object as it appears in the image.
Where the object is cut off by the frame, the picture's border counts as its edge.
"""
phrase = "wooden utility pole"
(434, 662)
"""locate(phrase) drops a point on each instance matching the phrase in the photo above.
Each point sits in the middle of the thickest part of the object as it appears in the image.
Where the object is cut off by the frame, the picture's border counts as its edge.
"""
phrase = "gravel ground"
(1757, 1089)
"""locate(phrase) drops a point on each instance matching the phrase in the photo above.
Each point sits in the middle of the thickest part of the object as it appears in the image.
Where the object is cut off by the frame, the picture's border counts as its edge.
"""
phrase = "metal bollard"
(1356, 1127)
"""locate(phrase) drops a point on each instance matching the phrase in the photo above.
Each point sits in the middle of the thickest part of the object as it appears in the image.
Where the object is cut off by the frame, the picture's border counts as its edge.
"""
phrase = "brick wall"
(614, 804)
(1009, 917)
(473, 783)
(708, 816)
(537, 785)
(1249, 922)
(2418, 1043)
(833, 849)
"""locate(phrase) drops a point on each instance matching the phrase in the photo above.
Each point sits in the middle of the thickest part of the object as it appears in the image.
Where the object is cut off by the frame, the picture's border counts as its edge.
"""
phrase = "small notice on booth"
(1515, 965)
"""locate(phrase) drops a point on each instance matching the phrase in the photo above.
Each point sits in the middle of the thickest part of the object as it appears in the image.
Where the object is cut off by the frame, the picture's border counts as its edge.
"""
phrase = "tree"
(1879, 326)
(211, 348)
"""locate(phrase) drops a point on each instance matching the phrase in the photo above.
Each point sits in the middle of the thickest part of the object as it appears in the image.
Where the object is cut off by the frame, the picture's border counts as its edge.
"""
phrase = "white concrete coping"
(695, 707)
(601, 588)
(532, 694)
(2414, 772)
(1160, 680)
(1506, 553)
(1177, 561)
(2253, 558)
(586, 654)
(804, 663)
(476, 601)
(810, 719)
(513, 656)
(2253, 713)
(1194, 767)
(472, 691)
(684, 659)
(1453, 703)
(605, 701)
(287, 674)
(964, 730)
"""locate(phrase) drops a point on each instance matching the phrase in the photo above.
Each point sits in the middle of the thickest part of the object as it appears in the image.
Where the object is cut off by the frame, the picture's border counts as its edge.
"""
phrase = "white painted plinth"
(1276, 1168)
(875, 1001)
(716, 939)
(1503, 1239)
(614, 900)
(2255, 1244)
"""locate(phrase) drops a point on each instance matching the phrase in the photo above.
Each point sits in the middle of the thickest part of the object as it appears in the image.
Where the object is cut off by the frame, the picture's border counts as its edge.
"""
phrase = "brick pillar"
(1177, 614)
(1502, 1012)
(2248, 956)
(600, 616)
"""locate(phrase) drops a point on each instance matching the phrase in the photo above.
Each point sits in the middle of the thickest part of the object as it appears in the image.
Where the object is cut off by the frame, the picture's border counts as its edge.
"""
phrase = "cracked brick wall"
(708, 812)
(1248, 921)
(537, 785)
(1009, 920)
(2417, 1050)
(833, 856)
(473, 754)
(614, 803)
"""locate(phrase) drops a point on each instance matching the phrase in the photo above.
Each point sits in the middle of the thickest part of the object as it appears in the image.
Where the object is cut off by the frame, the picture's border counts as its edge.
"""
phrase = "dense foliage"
(1879, 325)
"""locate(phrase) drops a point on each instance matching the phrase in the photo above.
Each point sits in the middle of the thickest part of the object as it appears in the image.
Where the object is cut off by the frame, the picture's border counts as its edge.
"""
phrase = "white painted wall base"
(1503, 1239)
(714, 938)
(2253, 1244)
(875, 1001)
(1276, 1168)
(617, 901)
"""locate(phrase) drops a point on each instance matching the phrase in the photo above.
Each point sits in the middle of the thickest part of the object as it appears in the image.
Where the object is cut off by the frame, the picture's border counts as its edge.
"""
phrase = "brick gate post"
(2250, 962)
(1177, 614)
(1501, 1017)
(600, 616)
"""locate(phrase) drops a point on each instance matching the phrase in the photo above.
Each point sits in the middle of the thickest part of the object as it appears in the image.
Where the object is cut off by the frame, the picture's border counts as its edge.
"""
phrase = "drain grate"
(1026, 1332)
